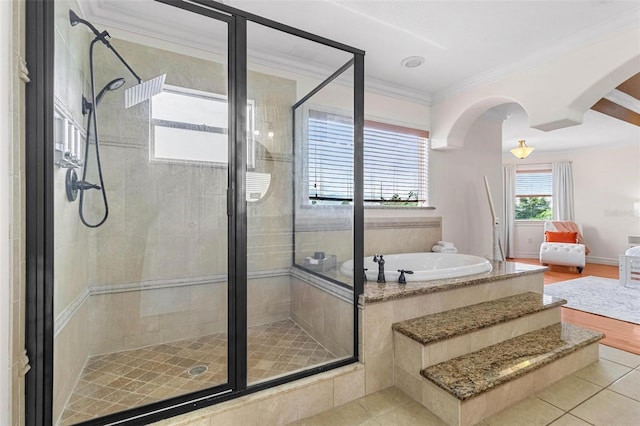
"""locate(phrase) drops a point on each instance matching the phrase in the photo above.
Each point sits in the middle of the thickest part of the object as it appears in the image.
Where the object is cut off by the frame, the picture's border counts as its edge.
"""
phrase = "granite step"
(469, 388)
(448, 324)
(431, 339)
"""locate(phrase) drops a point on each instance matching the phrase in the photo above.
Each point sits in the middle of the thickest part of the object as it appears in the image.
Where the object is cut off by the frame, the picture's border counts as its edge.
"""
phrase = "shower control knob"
(73, 185)
(82, 185)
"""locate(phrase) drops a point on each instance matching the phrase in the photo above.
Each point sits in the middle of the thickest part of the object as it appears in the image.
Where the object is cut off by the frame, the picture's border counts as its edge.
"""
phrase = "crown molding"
(397, 91)
(589, 35)
(137, 24)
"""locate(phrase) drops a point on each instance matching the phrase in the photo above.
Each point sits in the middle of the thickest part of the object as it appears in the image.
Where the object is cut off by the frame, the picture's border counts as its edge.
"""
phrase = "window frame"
(369, 123)
(541, 169)
(186, 91)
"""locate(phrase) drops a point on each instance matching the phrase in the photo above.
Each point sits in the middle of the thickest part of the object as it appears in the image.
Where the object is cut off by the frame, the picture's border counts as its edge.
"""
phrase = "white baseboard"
(527, 255)
(602, 260)
(590, 259)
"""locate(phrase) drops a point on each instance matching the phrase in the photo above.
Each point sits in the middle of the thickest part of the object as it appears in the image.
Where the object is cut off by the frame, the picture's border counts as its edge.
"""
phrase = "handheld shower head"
(114, 84)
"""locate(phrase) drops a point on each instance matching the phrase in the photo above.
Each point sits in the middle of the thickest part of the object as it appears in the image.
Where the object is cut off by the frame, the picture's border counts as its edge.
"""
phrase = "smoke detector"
(413, 61)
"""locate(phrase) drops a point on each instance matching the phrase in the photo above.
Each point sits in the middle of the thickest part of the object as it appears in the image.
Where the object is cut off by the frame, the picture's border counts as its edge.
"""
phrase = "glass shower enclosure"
(191, 259)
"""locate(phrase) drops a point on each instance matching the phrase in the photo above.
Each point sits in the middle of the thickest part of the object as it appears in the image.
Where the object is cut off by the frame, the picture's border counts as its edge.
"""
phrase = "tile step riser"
(412, 356)
(469, 412)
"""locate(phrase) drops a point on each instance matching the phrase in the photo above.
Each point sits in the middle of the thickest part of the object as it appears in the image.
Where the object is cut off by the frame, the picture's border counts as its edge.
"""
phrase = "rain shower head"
(143, 91)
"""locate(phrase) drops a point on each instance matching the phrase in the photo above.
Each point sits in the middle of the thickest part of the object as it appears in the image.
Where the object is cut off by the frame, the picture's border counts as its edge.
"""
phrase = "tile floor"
(607, 393)
(122, 380)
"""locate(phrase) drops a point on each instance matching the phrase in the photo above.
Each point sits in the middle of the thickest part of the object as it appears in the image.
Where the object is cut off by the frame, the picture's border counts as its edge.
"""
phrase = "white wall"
(458, 191)
(606, 184)
(572, 79)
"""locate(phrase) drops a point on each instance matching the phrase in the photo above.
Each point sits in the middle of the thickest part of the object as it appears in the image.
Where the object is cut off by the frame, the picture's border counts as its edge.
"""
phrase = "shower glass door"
(190, 262)
(141, 300)
(295, 321)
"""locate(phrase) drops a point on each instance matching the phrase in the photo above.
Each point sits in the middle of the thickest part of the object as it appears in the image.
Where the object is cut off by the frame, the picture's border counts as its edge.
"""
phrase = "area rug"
(600, 296)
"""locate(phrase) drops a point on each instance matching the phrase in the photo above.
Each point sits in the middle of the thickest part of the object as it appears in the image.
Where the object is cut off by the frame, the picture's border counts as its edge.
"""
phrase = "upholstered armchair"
(562, 248)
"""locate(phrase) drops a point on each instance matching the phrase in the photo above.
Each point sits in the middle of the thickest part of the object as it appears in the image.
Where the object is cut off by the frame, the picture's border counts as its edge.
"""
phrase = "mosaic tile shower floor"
(118, 381)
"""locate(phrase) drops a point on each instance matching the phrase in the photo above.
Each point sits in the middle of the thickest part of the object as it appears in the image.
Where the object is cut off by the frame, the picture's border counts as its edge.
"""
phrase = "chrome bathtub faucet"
(380, 261)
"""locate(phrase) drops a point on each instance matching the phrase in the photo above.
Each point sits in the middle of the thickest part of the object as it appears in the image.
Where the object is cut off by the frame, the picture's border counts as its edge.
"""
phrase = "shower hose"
(92, 118)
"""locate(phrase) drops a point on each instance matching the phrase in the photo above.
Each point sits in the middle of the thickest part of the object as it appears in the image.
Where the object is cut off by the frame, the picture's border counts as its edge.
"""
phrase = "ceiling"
(464, 43)
(609, 122)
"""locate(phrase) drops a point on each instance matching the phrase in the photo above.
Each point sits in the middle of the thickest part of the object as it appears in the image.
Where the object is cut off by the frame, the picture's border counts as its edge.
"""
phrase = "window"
(192, 126)
(395, 162)
(534, 195)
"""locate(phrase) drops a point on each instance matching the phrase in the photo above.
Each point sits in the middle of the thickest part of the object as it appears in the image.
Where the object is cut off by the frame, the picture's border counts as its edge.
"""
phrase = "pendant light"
(522, 151)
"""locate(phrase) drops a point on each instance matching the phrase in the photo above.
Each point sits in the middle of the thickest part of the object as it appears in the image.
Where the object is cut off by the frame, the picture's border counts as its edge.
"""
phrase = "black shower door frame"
(39, 159)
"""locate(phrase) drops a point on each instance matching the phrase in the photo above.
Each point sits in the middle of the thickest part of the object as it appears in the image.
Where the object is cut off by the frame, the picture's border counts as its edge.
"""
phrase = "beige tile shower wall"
(71, 61)
(269, 220)
(71, 244)
(133, 319)
(381, 235)
(268, 300)
(71, 275)
(323, 316)
(332, 242)
(166, 220)
(71, 249)
(70, 357)
(169, 220)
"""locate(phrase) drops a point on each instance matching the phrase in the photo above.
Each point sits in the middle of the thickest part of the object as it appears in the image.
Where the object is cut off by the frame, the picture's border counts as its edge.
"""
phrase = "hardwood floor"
(620, 334)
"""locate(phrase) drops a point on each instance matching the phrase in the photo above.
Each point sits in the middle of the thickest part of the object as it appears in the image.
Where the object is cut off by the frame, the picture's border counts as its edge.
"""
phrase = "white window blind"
(395, 162)
(534, 195)
(330, 158)
(534, 184)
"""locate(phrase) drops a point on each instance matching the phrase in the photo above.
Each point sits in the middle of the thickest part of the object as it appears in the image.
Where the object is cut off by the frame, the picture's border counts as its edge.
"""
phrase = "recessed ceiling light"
(413, 61)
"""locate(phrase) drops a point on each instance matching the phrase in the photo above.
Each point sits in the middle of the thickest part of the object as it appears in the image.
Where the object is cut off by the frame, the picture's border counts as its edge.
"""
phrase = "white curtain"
(562, 191)
(508, 213)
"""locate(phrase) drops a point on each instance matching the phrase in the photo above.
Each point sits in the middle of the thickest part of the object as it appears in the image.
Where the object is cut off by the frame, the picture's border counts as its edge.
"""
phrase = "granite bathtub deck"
(473, 374)
(448, 324)
(374, 292)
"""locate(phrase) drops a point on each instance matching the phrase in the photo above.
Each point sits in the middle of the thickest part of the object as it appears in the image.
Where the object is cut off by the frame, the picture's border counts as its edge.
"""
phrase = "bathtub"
(425, 266)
